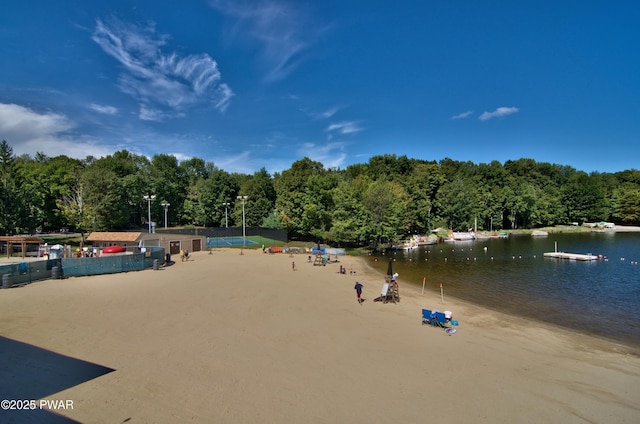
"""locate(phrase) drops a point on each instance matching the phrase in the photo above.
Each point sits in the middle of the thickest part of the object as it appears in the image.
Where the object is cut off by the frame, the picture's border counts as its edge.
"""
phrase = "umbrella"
(56, 247)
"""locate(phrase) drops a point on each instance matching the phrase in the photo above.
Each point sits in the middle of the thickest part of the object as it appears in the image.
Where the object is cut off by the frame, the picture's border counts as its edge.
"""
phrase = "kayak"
(114, 249)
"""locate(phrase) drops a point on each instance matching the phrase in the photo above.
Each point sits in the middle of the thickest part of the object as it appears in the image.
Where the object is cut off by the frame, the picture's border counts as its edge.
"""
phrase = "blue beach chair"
(438, 319)
(426, 317)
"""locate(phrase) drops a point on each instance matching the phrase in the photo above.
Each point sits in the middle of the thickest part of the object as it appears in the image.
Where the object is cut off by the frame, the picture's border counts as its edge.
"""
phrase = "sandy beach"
(231, 338)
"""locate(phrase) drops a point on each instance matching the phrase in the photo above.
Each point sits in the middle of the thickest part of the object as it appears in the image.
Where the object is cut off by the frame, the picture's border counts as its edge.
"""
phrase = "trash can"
(7, 281)
(55, 272)
(168, 258)
(156, 264)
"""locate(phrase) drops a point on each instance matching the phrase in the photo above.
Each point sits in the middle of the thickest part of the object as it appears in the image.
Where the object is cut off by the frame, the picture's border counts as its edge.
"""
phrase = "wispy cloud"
(463, 115)
(282, 28)
(498, 113)
(347, 127)
(329, 112)
(160, 81)
(107, 110)
(28, 132)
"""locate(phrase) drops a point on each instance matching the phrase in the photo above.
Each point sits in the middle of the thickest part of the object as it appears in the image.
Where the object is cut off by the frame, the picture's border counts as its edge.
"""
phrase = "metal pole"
(244, 228)
(226, 215)
(165, 205)
(244, 234)
(149, 198)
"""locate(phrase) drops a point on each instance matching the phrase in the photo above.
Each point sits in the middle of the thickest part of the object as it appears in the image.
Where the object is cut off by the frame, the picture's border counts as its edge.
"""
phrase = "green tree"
(386, 205)
(11, 200)
(626, 204)
(290, 187)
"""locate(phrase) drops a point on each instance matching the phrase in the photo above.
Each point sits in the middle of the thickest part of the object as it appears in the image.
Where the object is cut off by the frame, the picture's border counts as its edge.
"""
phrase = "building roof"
(110, 236)
(21, 239)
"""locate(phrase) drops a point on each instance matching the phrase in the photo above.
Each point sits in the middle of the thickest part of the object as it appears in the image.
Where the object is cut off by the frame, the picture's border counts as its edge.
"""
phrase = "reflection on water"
(599, 297)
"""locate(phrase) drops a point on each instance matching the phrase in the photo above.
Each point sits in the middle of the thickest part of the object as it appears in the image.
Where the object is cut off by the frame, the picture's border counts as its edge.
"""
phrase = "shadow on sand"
(28, 372)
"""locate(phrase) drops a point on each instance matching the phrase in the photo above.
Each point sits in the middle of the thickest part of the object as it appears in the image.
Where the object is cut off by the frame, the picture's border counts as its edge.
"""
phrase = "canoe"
(114, 249)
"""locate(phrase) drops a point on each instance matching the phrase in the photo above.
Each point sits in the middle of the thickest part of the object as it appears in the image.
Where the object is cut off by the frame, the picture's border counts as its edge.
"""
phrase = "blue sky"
(252, 84)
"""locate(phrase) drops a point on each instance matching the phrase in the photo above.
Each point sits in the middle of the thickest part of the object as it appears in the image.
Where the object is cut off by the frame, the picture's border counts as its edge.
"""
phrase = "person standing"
(358, 288)
(293, 265)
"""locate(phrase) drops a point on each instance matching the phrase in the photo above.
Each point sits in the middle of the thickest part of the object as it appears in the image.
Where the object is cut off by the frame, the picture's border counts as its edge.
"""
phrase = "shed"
(172, 243)
(9, 241)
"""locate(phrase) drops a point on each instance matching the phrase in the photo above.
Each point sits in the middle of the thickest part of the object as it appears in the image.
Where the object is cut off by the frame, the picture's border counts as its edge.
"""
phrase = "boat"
(461, 236)
(114, 249)
(539, 233)
(416, 241)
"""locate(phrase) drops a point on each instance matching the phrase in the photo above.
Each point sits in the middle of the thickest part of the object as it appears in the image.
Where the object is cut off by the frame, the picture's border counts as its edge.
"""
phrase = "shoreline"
(234, 338)
(597, 341)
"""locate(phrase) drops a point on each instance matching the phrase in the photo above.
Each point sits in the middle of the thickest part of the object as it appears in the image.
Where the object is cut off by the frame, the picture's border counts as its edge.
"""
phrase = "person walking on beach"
(358, 288)
(293, 265)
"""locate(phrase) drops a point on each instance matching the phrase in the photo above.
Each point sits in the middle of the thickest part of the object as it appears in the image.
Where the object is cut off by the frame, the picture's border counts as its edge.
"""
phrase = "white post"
(165, 205)
(244, 235)
(149, 199)
(441, 294)
(424, 279)
(226, 216)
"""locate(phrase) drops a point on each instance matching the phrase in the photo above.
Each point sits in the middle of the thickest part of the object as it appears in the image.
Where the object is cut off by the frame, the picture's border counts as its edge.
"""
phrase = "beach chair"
(439, 320)
(426, 317)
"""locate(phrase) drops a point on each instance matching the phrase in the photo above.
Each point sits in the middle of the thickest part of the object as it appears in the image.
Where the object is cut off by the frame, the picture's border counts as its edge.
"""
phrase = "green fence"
(28, 272)
(75, 267)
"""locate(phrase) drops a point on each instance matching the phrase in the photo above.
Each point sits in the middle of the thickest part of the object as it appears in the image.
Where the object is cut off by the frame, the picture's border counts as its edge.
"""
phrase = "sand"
(230, 338)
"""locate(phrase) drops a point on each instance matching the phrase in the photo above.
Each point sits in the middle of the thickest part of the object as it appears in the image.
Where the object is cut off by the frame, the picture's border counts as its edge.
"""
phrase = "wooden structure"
(22, 240)
(172, 243)
(389, 293)
(571, 256)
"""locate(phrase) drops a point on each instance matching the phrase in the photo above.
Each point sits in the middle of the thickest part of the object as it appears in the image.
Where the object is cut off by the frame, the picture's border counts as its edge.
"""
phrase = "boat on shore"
(539, 233)
(461, 236)
(416, 241)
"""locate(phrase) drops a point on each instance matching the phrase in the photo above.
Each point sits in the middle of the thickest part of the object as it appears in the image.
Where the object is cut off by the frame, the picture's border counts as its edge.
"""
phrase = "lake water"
(600, 297)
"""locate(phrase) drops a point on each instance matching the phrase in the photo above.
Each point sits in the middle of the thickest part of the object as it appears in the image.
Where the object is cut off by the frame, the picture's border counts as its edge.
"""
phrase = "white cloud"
(30, 132)
(347, 127)
(166, 82)
(107, 110)
(284, 31)
(329, 112)
(463, 115)
(498, 113)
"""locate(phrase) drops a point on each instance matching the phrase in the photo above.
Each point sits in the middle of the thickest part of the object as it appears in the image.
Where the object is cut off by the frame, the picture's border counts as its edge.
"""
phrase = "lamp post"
(165, 205)
(226, 216)
(149, 198)
(244, 236)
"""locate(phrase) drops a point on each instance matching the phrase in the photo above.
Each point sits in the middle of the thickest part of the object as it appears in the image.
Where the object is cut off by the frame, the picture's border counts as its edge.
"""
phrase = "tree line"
(385, 199)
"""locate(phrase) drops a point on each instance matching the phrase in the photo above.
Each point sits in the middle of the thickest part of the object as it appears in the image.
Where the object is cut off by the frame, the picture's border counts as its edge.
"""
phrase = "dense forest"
(385, 199)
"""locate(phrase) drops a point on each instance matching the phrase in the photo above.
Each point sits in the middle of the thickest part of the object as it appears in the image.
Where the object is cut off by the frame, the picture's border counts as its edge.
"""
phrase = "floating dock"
(571, 256)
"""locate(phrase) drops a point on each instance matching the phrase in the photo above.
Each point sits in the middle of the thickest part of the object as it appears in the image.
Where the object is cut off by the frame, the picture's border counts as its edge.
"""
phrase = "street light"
(226, 216)
(244, 236)
(165, 205)
(149, 199)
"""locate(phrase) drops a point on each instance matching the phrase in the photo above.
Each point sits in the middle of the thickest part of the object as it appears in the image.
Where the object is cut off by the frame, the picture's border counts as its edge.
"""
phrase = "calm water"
(599, 297)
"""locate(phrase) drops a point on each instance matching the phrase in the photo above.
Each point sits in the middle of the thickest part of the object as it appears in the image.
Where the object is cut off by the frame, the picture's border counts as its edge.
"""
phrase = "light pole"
(226, 216)
(165, 205)
(149, 199)
(244, 236)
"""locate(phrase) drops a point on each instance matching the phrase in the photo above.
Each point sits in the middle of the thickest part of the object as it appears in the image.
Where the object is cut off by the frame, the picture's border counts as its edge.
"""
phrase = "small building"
(172, 243)
(7, 244)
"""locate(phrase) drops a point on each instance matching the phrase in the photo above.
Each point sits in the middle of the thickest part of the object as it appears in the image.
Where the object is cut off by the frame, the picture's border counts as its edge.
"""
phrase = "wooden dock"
(571, 256)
